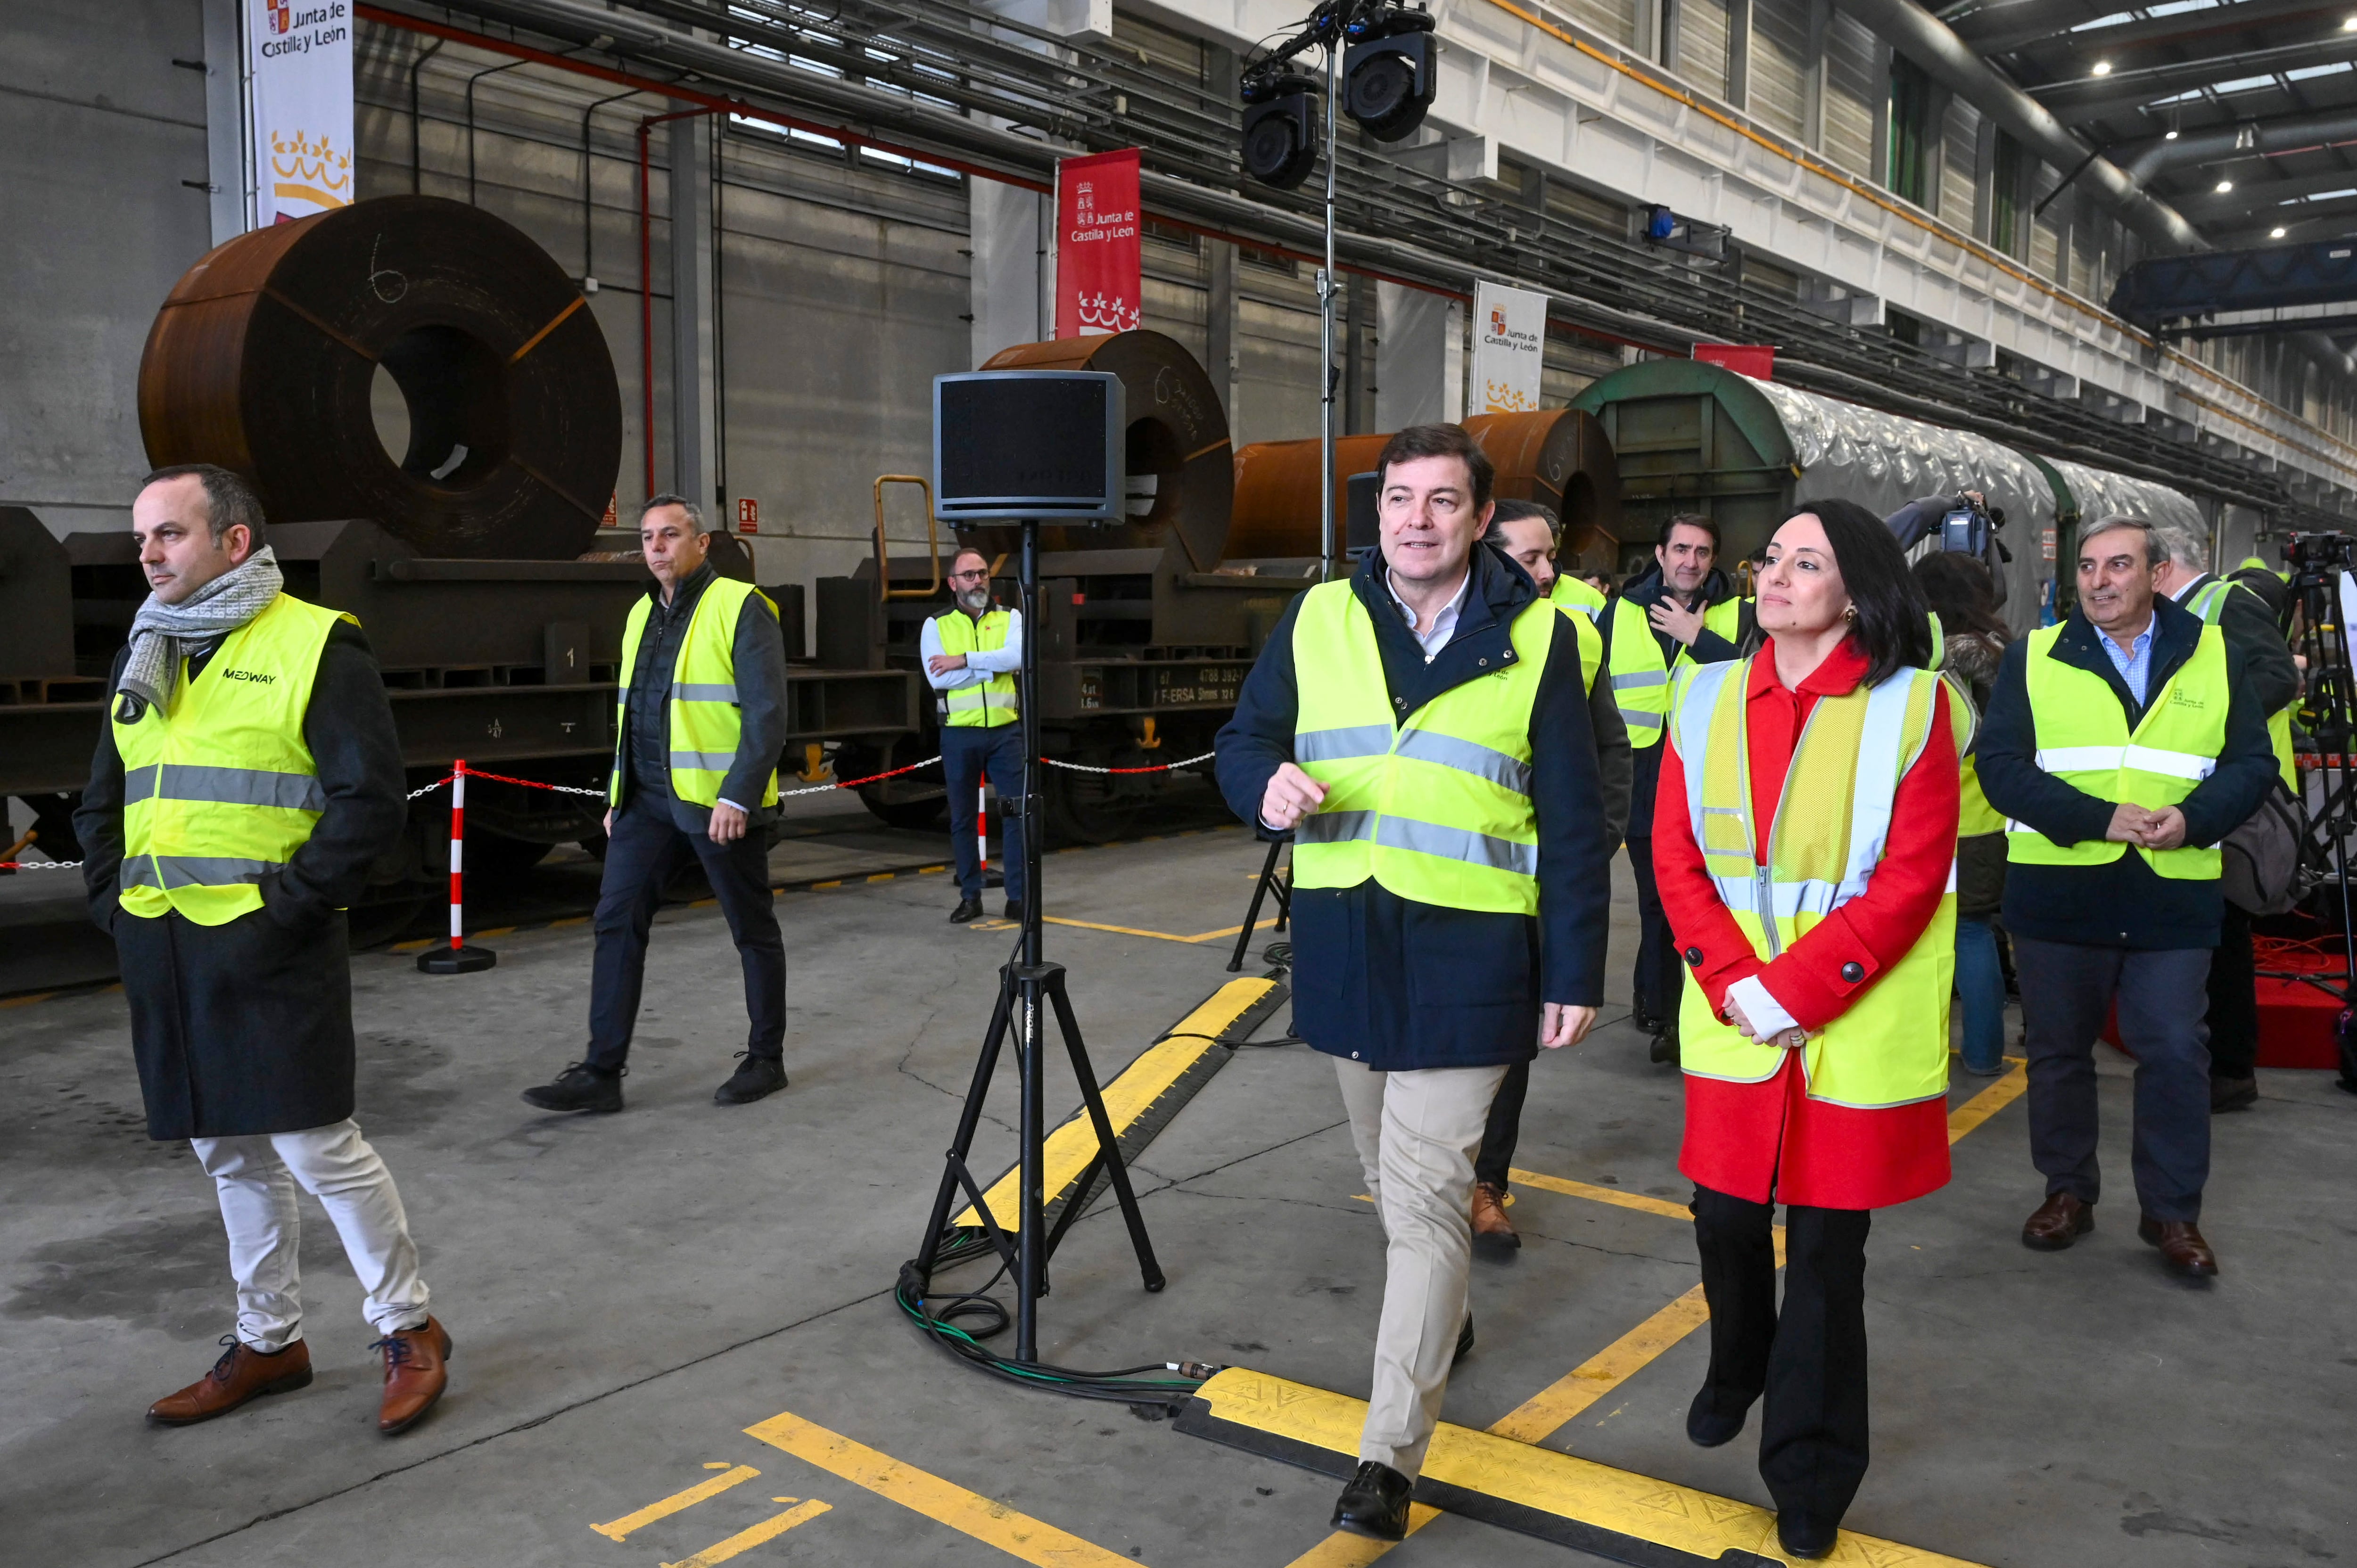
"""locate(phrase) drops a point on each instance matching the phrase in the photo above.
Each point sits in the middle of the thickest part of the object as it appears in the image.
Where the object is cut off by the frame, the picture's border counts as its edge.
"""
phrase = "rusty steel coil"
(1558, 458)
(1181, 476)
(264, 359)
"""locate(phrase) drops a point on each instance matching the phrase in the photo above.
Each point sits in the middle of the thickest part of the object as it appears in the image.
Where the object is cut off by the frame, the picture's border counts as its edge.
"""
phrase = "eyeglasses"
(979, 574)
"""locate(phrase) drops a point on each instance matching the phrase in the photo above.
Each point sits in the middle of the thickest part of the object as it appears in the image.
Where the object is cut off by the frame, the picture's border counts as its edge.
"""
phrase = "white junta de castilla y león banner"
(1508, 349)
(300, 56)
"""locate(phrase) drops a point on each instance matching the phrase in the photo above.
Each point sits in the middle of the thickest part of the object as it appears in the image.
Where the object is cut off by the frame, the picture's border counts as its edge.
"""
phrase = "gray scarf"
(162, 634)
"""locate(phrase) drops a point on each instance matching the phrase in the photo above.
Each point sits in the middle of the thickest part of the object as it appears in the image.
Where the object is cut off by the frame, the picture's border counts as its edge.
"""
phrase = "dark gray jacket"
(758, 655)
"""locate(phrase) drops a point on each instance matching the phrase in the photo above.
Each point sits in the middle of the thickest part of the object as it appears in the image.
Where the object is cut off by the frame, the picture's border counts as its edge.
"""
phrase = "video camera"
(2314, 555)
(1972, 528)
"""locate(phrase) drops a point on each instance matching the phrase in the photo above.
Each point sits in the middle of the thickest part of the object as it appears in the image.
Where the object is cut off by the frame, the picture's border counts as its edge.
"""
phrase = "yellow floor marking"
(1071, 1146)
(27, 1000)
(417, 946)
(931, 870)
(992, 1524)
(1680, 1517)
(1228, 931)
(1118, 930)
(745, 1540)
(1989, 1101)
(711, 1487)
(1551, 1408)
(1612, 1195)
(883, 875)
(569, 920)
(817, 886)
(495, 932)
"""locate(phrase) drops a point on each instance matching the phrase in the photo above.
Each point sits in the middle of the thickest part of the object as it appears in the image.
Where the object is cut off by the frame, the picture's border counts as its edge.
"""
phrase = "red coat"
(1756, 1141)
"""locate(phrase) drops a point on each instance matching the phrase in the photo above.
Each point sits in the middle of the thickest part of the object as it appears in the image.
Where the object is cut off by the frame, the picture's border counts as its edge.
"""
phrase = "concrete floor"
(629, 1294)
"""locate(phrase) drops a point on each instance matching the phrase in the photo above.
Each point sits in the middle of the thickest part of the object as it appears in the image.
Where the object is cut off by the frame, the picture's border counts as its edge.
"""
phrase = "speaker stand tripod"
(1029, 988)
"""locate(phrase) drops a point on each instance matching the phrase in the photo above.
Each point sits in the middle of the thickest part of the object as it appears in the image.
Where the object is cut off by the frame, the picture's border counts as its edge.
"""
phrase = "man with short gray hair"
(971, 652)
(2249, 625)
(702, 722)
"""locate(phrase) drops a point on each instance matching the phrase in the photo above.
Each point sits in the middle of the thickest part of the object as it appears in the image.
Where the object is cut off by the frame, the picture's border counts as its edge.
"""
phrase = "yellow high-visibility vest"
(706, 721)
(1976, 816)
(2210, 604)
(2083, 739)
(1641, 678)
(219, 789)
(979, 704)
(1571, 594)
(1435, 805)
(1832, 823)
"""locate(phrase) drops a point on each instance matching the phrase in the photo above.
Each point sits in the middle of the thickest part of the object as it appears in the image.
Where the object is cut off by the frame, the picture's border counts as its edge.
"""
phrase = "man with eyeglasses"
(971, 652)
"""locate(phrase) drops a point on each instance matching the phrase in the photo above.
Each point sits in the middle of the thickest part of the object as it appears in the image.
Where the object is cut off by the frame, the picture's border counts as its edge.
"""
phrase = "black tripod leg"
(1108, 1146)
(968, 1120)
(1251, 915)
(1281, 887)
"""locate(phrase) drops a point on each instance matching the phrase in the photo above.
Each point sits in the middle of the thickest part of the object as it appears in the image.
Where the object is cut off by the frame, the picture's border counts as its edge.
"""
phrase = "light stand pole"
(1326, 291)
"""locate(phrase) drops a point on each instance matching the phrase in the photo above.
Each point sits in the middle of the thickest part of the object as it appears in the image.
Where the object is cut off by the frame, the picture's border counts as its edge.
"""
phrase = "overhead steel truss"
(1001, 97)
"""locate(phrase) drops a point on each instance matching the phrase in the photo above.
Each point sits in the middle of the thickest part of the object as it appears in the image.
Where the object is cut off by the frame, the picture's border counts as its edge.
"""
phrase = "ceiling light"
(2350, 25)
(2276, 233)
(2224, 186)
(2104, 67)
(2169, 136)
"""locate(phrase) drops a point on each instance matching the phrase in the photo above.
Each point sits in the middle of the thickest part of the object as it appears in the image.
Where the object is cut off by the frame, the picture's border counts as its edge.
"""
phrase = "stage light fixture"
(1280, 129)
(1388, 79)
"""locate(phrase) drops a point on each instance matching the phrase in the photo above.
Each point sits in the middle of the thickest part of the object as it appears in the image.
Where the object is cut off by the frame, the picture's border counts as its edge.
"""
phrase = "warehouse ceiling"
(2261, 96)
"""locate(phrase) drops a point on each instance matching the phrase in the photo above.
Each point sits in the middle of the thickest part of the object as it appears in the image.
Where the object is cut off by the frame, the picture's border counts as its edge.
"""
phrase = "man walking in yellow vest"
(2121, 745)
(1422, 731)
(2249, 625)
(701, 721)
(971, 652)
(247, 778)
(1683, 611)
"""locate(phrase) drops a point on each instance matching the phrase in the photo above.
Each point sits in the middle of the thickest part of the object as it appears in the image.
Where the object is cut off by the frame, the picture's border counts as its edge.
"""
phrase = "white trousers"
(1416, 1134)
(255, 1178)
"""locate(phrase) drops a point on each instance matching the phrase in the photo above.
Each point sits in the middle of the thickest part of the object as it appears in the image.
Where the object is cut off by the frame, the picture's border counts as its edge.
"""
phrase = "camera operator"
(2272, 681)
(1911, 523)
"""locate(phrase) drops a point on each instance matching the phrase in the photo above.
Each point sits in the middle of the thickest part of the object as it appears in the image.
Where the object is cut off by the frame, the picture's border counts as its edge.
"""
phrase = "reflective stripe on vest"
(219, 789)
(1436, 808)
(2083, 739)
(978, 704)
(1641, 679)
(1571, 593)
(705, 720)
(2210, 604)
(1891, 1047)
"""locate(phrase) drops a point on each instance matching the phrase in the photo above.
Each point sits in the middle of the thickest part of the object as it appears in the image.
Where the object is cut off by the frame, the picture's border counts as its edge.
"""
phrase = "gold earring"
(1849, 612)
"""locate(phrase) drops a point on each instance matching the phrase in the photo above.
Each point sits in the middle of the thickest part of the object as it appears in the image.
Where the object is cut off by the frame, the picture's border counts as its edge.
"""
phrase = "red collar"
(1843, 668)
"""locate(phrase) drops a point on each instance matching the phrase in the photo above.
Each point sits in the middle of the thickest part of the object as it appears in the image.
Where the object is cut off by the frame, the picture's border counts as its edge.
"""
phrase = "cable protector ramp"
(1573, 1502)
(1141, 1101)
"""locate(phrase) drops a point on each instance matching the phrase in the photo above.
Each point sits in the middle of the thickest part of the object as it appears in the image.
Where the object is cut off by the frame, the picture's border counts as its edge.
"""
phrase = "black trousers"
(1657, 983)
(1505, 1128)
(1809, 1359)
(643, 853)
(2234, 999)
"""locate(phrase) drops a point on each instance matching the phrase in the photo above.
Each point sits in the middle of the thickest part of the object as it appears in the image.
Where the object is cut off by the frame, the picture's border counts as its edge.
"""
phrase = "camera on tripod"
(2313, 555)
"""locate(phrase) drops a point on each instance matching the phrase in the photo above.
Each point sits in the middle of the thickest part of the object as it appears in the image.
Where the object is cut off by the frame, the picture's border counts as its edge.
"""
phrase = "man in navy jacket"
(1424, 1006)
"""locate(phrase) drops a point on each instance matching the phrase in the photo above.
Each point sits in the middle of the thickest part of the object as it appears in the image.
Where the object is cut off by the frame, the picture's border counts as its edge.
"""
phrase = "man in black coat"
(243, 1027)
(1425, 1002)
(653, 832)
(2090, 931)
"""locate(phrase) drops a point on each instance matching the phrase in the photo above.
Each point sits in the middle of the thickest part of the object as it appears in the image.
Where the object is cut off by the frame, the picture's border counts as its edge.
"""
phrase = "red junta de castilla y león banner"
(1099, 268)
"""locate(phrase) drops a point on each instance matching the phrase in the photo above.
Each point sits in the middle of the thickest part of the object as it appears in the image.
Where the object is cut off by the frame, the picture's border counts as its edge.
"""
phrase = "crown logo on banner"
(310, 170)
(1105, 315)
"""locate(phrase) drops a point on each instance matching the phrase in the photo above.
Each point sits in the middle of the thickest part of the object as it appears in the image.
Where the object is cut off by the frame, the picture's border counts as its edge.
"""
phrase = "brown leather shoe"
(242, 1373)
(1494, 1236)
(2058, 1221)
(414, 1374)
(2182, 1246)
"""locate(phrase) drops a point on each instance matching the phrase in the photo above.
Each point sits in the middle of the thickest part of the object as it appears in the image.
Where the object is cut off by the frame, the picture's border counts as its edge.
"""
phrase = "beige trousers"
(1416, 1134)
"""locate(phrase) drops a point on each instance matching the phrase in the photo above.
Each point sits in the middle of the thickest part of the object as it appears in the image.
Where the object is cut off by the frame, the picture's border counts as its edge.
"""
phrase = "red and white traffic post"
(457, 958)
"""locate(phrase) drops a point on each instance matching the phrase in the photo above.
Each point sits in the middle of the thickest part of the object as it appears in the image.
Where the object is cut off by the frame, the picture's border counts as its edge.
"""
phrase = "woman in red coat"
(1805, 842)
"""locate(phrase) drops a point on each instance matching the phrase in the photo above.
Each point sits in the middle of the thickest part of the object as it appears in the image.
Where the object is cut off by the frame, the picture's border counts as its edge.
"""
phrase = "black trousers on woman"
(1808, 1361)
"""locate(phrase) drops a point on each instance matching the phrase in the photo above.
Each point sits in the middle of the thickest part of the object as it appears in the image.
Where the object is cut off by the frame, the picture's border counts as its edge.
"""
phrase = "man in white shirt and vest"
(2121, 745)
(700, 722)
(247, 778)
(1422, 731)
(1680, 611)
(972, 652)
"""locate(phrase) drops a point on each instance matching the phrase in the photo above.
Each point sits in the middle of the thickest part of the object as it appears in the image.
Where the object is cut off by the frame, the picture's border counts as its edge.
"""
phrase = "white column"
(1419, 358)
(225, 120)
(694, 464)
(1013, 267)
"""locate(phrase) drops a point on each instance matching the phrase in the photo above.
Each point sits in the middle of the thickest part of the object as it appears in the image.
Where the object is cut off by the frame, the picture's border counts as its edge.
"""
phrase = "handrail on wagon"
(933, 539)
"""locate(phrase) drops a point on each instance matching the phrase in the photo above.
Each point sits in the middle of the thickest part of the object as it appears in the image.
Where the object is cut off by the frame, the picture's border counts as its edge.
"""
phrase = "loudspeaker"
(1281, 131)
(1388, 83)
(1044, 444)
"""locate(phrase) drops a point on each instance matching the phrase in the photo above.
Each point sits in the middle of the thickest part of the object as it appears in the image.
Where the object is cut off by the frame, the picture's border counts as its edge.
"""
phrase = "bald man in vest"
(1422, 731)
(246, 780)
(701, 724)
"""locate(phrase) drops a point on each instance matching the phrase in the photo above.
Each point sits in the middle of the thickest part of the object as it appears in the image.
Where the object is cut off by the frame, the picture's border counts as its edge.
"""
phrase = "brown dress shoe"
(1494, 1236)
(414, 1374)
(2182, 1246)
(2058, 1221)
(242, 1373)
